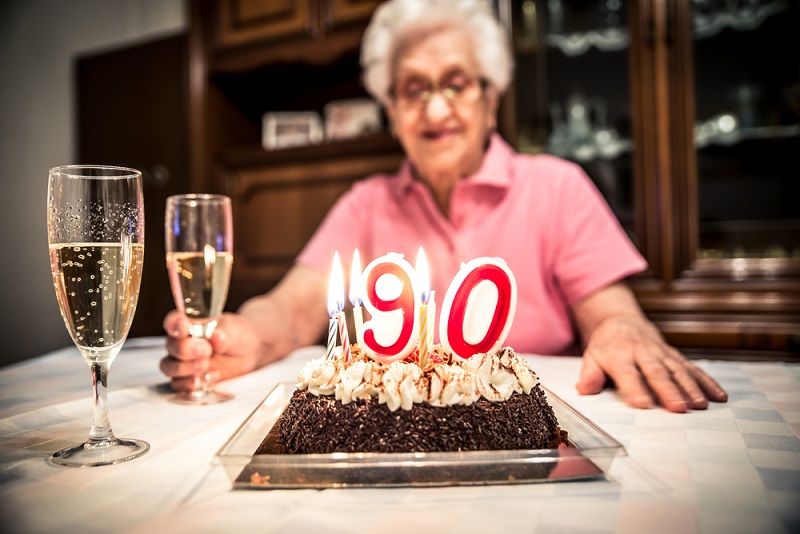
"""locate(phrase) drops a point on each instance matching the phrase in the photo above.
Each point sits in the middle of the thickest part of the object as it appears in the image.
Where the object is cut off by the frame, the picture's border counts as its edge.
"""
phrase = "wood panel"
(277, 209)
(341, 12)
(247, 21)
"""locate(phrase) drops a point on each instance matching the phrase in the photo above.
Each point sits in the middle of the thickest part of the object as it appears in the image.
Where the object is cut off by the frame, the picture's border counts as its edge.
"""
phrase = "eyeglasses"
(455, 89)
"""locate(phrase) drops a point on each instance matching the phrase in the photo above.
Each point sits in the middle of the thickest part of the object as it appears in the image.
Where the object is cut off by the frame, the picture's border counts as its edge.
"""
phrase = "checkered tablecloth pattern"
(732, 468)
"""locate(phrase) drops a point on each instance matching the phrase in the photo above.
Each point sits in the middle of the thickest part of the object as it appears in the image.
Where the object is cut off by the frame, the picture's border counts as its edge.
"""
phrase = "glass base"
(201, 397)
(92, 454)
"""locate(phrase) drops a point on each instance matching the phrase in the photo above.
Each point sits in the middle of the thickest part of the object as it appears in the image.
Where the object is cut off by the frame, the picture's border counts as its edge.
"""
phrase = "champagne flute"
(199, 245)
(95, 230)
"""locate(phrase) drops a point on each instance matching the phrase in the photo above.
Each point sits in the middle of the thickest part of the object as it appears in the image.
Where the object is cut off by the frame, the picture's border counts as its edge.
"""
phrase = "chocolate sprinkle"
(322, 424)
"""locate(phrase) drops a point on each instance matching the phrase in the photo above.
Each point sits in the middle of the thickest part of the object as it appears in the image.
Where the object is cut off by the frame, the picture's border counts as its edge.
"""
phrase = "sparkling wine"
(199, 281)
(97, 285)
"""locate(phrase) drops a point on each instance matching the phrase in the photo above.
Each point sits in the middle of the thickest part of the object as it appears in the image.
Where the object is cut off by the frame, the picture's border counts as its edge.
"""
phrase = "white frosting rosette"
(495, 377)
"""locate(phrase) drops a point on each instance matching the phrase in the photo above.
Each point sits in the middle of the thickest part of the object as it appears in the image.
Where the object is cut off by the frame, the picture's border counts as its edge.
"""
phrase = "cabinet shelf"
(707, 134)
(705, 26)
(256, 156)
(578, 43)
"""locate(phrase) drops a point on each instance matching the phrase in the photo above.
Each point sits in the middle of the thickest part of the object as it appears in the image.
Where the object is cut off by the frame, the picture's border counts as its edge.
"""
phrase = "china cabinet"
(686, 115)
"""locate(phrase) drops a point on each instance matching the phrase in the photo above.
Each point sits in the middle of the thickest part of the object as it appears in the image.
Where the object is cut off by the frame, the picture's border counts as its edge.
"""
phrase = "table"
(732, 468)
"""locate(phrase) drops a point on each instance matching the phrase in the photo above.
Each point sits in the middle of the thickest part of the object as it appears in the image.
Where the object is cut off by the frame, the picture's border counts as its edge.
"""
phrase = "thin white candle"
(334, 288)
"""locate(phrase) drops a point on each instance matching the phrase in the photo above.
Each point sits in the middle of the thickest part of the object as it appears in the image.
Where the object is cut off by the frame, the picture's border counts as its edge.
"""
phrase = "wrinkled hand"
(234, 348)
(645, 369)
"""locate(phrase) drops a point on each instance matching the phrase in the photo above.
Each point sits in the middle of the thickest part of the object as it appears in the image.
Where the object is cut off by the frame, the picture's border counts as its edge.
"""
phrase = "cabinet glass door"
(571, 94)
(747, 129)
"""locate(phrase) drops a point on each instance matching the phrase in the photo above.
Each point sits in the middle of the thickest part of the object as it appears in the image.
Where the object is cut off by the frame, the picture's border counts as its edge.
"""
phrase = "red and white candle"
(478, 308)
(389, 297)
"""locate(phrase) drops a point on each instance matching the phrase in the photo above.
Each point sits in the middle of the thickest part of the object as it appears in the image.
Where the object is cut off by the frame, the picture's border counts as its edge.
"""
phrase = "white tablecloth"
(732, 468)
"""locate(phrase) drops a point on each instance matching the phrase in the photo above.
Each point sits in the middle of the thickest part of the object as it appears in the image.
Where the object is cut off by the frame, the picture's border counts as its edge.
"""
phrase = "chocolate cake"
(487, 402)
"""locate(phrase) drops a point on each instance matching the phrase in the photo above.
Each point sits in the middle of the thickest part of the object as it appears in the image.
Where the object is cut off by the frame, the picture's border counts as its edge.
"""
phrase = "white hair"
(396, 19)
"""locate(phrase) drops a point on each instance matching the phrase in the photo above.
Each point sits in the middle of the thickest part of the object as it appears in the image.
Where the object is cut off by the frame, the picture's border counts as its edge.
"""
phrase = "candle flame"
(355, 279)
(423, 276)
(336, 287)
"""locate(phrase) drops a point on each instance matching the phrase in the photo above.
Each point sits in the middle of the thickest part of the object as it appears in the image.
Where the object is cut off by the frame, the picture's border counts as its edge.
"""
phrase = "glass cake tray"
(588, 457)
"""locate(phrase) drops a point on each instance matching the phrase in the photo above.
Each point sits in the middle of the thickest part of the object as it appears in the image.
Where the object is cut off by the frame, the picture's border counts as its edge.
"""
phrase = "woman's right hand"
(235, 348)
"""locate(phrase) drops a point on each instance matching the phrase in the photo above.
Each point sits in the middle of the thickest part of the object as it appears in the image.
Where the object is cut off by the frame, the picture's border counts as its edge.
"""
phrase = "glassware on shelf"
(581, 139)
(743, 15)
(95, 231)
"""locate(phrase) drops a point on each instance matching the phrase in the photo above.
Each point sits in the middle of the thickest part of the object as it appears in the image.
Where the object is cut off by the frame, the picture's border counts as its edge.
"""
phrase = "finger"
(660, 380)
(189, 348)
(592, 378)
(630, 385)
(175, 368)
(685, 381)
(176, 325)
(189, 383)
(710, 386)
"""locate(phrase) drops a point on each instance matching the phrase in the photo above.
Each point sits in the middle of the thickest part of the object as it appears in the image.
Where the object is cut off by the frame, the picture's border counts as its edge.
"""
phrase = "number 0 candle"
(478, 308)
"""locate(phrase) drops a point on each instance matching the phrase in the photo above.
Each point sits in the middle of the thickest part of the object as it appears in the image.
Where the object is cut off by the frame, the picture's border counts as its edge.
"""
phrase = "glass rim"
(73, 171)
(198, 197)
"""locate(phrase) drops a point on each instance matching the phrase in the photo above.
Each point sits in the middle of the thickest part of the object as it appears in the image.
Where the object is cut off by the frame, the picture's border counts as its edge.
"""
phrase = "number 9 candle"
(388, 291)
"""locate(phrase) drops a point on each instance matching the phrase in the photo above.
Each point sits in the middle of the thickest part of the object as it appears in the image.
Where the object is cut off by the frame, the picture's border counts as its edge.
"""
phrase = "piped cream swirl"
(496, 377)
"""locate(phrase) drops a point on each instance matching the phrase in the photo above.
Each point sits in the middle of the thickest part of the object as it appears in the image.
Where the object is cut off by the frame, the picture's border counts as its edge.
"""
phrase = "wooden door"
(131, 111)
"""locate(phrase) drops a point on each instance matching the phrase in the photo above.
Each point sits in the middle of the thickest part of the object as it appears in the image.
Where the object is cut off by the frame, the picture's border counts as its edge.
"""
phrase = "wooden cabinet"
(240, 22)
(280, 198)
(253, 57)
(685, 118)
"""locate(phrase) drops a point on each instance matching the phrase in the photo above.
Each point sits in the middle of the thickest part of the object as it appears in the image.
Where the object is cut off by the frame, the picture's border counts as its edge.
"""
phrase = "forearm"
(612, 303)
(288, 317)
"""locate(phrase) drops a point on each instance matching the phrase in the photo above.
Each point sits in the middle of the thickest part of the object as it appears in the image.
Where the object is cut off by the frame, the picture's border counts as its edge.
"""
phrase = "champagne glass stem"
(101, 427)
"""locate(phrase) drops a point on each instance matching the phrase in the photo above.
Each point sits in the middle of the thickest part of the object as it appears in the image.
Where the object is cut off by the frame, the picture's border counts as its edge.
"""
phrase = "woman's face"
(441, 111)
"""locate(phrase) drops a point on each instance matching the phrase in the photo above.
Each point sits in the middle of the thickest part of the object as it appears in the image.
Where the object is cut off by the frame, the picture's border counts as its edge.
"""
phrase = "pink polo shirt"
(541, 214)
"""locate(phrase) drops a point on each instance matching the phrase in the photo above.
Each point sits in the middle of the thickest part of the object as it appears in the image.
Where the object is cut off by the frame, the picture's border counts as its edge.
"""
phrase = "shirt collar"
(493, 172)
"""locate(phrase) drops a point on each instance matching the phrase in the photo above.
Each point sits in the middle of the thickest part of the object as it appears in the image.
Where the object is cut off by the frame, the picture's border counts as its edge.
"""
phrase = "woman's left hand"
(646, 370)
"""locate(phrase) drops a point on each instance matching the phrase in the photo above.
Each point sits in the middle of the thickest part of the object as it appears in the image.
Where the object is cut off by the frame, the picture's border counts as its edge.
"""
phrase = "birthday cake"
(486, 402)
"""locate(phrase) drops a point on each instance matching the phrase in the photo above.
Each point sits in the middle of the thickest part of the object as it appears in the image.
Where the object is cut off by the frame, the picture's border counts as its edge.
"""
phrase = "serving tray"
(587, 456)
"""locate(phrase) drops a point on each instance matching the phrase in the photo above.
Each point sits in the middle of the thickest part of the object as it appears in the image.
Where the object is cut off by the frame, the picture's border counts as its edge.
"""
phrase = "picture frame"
(347, 119)
(285, 129)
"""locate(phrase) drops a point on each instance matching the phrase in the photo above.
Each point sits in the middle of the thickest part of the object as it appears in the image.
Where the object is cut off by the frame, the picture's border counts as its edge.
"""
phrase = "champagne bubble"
(93, 303)
(91, 277)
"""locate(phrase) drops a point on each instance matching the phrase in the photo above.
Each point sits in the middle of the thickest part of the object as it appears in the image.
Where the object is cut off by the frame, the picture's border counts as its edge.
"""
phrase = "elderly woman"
(439, 68)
